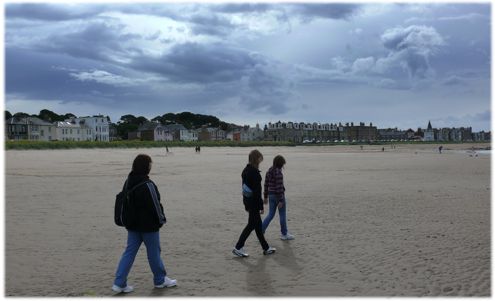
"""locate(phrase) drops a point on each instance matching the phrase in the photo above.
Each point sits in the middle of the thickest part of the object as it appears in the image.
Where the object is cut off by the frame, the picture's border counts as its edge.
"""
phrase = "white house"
(68, 131)
(188, 135)
(98, 124)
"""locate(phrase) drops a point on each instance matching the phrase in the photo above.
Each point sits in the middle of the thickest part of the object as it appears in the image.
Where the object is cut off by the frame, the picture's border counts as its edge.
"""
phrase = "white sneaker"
(119, 289)
(167, 283)
(240, 252)
(269, 251)
(287, 236)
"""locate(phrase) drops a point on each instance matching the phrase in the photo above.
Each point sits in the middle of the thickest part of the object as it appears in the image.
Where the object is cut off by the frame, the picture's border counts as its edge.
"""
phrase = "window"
(42, 133)
(71, 131)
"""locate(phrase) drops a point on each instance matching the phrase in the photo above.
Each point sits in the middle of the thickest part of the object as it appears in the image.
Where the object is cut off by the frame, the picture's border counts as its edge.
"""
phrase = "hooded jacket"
(150, 216)
(252, 178)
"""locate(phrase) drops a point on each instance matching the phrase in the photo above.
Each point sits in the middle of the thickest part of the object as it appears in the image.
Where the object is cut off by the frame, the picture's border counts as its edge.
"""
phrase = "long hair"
(254, 157)
(142, 165)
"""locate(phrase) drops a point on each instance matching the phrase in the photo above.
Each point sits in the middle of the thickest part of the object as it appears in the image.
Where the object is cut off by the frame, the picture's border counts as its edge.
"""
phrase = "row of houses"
(98, 128)
(155, 131)
(430, 134)
(316, 132)
(94, 128)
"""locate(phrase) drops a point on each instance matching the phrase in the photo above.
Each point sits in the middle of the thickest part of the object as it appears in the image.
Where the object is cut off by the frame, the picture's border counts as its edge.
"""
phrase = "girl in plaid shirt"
(275, 192)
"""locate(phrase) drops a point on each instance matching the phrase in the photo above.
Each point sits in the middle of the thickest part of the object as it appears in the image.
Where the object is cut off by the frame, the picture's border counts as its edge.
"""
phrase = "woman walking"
(149, 218)
(254, 205)
(275, 193)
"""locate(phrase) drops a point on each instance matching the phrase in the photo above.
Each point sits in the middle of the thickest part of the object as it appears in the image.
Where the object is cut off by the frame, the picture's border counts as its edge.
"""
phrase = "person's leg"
(273, 207)
(282, 212)
(152, 242)
(245, 233)
(134, 240)
(256, 219)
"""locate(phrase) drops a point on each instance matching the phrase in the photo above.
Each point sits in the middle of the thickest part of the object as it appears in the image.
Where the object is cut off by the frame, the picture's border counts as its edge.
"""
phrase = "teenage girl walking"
(150, 218)
(275, 193)
(253, 204)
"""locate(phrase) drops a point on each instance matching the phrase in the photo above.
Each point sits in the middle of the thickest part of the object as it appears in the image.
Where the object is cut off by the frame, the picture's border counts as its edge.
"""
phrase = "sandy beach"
(404, 222)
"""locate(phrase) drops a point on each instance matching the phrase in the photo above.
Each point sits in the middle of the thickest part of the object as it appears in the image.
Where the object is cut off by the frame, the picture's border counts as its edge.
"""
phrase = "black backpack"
(125, 212)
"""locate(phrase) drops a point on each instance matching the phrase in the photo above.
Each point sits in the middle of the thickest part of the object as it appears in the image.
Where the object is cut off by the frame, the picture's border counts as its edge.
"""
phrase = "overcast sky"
(390, 64)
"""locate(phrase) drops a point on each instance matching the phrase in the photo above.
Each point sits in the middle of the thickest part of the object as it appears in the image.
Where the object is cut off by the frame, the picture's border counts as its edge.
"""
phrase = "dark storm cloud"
(200, 63)
(97, 40)
(305, 11)
(49, 12)
(308, 11)
(50, 77)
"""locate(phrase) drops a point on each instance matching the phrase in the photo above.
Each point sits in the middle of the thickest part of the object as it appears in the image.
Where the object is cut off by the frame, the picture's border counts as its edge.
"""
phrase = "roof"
(148, 126)
(67, 124)
(37, 121)
(174, 127)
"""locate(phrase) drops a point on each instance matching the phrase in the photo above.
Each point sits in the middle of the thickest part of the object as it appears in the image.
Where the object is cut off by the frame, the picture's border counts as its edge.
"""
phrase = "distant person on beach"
(440, 149)
(166, 148)
(275, 193)
(383, 149)
(150, 218)
(254, 205)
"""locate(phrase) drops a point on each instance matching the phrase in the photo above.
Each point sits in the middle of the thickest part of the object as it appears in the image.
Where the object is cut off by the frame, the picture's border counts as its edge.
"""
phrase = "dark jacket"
(146, 199)
(252, 178)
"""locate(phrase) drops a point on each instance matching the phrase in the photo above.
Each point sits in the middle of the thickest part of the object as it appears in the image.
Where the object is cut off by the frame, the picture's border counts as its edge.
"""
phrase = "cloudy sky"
(390, 64)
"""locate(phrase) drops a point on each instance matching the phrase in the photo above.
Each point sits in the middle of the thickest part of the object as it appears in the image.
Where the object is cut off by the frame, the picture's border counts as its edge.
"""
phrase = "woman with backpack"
(147, 219)
(251, 180)
(275, 193)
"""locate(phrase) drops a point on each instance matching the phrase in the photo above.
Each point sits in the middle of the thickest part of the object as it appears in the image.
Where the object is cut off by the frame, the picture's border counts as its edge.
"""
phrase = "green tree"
(67, 116)
(129, 123)
(7, 115)
(49, 116)
(21, 115)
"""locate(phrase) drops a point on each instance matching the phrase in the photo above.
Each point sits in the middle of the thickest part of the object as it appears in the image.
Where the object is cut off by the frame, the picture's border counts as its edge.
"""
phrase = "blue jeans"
(281, 212)
(152, 243)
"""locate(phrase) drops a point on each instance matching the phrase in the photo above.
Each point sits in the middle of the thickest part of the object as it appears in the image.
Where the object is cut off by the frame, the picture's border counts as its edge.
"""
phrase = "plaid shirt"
(274, 183)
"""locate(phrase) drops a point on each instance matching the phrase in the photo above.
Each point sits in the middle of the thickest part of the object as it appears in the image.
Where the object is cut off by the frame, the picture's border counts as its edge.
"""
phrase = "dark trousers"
(254, 223)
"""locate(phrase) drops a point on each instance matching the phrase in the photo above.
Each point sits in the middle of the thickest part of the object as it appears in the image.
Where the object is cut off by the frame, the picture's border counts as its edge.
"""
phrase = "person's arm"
(157, 206)
(265, 191)
(279, 185)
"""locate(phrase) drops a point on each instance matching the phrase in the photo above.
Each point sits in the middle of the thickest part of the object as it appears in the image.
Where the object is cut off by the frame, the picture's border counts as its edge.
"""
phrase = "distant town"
(186, 126)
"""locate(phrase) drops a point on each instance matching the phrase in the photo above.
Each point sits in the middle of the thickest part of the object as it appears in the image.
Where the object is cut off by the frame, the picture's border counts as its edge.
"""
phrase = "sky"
(395, 65)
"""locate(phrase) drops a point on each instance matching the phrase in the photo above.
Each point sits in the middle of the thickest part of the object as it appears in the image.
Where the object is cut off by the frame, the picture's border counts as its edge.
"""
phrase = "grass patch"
(36, 145)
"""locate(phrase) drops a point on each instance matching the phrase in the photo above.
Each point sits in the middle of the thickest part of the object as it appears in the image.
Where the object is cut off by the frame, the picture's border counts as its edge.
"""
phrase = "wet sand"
(404, 222)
